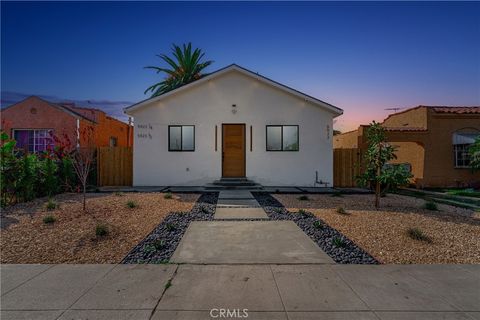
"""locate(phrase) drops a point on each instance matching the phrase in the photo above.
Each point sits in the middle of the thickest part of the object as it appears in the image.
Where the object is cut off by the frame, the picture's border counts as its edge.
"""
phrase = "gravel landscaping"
(161, 243)
(30, 235)
(452, 232)
(335, 244)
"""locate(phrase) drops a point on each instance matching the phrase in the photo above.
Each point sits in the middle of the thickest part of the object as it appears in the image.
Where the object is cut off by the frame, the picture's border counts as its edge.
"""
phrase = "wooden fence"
(114, 166)
(346, 166)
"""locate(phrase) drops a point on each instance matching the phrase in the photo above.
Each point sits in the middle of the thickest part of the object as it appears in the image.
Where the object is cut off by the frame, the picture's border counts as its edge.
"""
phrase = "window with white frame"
(282, 138)
(462, 140)
(34, 140)
(462, 157)
(181, 138)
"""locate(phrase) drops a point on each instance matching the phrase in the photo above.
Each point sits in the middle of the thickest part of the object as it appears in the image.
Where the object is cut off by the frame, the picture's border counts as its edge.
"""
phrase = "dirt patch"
(72, 239)
(454, 231)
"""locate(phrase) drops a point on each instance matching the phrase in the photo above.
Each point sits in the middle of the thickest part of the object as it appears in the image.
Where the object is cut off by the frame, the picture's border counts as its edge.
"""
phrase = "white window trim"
(34, 136)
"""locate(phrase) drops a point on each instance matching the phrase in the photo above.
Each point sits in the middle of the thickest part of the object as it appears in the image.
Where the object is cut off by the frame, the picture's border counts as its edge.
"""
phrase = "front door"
(233, 150)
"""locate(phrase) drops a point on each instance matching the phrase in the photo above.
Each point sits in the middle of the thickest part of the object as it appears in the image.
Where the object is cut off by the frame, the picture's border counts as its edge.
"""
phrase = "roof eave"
(335, 110)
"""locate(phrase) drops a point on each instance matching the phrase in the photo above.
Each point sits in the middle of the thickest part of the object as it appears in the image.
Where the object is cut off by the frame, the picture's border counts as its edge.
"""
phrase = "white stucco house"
(233, 123)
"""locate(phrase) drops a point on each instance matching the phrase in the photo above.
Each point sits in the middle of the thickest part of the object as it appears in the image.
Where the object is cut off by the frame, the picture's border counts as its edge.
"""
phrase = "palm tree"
(187, 68)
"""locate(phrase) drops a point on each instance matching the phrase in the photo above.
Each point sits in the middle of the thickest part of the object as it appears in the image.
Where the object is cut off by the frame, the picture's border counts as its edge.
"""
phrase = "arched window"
(462, 140)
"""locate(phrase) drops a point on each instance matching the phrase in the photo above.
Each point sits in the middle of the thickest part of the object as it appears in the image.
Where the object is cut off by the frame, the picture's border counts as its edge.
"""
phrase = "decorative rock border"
(160, 244)
(335, 244)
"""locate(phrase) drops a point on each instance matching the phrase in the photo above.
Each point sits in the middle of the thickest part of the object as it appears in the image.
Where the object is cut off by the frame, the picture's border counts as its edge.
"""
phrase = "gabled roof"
(246, 72)
(54, 105)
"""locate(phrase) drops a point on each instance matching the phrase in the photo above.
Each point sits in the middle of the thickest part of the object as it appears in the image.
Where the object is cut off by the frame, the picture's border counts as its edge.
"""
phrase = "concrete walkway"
(268, 291)
(238, 204)
(246, 242)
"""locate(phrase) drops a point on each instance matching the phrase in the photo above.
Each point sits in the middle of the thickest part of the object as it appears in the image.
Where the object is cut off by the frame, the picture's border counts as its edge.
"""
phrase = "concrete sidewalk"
(267, 291)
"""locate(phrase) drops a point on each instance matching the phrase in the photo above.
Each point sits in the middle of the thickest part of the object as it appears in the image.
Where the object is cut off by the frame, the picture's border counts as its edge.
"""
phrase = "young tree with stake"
(84, 158)
(377, 176)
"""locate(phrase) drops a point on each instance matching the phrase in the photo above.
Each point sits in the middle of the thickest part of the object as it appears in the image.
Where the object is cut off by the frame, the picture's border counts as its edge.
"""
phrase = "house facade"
(432, 140)
(233, 123)
(34, 123)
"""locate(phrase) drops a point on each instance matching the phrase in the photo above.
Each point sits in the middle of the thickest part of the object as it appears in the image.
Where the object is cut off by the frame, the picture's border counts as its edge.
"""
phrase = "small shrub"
(101, 230)
(168, 284)
(119, 194)
(131, 204)
(159, 244)
(167, 195)
(303, 198)
(204, 209)
(51, 205)
(302, 212)
(339, 242)
(49, 219)
(318, 225)
(430, 205)
(170, 226)
(341, 210)
(417, 234)
(149, 248)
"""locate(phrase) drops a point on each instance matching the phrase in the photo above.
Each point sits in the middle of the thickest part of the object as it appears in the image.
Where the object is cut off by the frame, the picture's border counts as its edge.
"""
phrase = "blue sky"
(362, 57)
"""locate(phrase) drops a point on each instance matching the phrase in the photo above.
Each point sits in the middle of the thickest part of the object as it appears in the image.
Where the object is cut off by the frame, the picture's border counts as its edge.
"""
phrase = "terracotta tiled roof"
(460, 110)
(405, 129)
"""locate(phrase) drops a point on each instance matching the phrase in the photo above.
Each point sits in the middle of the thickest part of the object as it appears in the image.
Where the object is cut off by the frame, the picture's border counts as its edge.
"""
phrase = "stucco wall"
(439, 156)
(416, 117)
(346, 140)
(413, 153)
(209, 105)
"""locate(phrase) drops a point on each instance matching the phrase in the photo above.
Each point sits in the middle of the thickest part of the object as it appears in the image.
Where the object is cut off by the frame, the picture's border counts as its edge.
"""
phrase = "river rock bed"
(160, 244)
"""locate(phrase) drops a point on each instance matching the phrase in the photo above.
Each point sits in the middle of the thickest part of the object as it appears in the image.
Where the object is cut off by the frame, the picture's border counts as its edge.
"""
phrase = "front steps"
(233, 184)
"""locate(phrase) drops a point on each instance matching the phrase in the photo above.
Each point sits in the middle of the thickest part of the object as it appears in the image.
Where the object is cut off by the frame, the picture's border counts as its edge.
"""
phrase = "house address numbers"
(144, 131)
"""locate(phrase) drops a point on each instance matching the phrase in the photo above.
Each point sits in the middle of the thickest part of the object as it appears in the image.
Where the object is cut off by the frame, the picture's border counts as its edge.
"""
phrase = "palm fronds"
(184, 67)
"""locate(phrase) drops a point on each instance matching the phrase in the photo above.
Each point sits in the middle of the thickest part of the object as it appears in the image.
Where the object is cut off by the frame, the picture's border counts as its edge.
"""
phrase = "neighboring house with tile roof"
(34, 122)
(433, 140)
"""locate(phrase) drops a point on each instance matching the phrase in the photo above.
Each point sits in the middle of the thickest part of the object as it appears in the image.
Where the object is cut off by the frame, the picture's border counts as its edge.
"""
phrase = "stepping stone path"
(238, 205)
(242, 233)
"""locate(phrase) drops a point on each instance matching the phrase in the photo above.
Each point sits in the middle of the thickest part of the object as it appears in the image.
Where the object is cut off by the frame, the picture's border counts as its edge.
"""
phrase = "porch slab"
(235, 194)
(240, 213)
(319, 190)
(237, 203)
(273, 189)
(254, 242)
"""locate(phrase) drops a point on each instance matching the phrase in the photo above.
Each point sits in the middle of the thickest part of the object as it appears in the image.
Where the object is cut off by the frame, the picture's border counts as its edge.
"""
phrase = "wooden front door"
(233, 150)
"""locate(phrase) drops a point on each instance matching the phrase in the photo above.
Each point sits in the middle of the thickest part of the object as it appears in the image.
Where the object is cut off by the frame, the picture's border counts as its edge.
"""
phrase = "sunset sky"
(361, 57)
